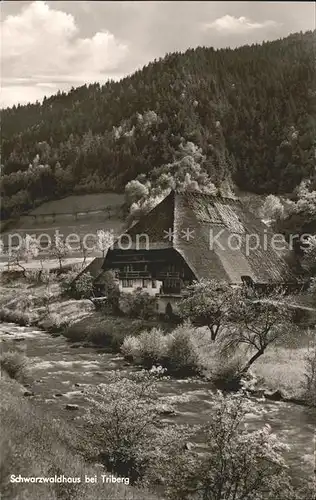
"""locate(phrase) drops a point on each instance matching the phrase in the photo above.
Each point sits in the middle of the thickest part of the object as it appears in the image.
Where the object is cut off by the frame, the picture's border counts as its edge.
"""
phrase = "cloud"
(41, 41)
(14, 94)
(238, 25)
(51, 45)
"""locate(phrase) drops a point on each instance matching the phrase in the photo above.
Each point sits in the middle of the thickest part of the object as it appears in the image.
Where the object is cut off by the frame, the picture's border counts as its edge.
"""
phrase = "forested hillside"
(249, 112)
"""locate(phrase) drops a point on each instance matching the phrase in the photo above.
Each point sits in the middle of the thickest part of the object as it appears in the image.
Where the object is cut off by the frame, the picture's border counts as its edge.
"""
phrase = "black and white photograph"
(158, 250)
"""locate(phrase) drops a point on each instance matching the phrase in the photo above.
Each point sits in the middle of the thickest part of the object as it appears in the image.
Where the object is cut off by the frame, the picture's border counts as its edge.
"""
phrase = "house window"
(145, 284)
(127, 283)
(128, 268)
(154, 284)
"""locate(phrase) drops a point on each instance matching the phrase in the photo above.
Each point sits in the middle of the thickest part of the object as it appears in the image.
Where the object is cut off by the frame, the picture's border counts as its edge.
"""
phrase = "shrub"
(182, 356)
(138, 304)
(310, 379)
(77, 287)
(32, 275)
(131, 348)
(21, 318)
(83, 286)
(107, 331)
(153, 347)
(54, 322)
(226, 373)
(68, 283)
(75, 332)
(148, 349)
(110, 333)
(39, 276)
(14, 364)
(175, 351)
(111, 291)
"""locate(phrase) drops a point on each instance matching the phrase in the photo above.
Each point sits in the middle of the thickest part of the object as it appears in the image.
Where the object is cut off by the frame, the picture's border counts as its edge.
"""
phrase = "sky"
(49, 46)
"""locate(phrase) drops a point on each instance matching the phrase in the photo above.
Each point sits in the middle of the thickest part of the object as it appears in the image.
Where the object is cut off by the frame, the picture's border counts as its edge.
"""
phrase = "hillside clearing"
(85, 202)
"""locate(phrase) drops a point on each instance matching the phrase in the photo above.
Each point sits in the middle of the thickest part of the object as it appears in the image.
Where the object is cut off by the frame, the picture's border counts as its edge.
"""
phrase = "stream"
(61, 371)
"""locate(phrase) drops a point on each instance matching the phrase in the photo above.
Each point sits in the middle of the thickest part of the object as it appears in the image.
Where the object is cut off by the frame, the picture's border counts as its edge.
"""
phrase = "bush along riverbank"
(284, 366)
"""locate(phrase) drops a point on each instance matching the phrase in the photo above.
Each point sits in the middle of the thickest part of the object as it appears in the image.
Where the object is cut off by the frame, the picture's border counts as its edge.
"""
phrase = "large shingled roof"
(196, 220)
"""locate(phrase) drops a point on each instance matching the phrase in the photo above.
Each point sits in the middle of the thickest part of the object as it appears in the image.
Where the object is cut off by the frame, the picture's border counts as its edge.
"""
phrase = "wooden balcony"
(166, 275)
(133, 274)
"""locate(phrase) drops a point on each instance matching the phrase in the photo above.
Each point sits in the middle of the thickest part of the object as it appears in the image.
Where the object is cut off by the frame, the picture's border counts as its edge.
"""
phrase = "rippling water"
(62, 371)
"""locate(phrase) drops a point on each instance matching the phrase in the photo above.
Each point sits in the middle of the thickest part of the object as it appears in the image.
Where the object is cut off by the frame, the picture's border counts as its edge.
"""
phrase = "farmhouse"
(190, 236)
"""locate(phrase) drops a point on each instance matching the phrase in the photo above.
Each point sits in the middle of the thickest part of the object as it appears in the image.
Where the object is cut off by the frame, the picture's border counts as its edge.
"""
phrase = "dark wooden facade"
(164, 265)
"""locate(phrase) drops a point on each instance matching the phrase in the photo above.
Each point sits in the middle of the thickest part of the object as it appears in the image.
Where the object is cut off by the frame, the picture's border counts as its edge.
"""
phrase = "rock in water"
(72, 407)
(274, 395)
(28, 393)
(188, 446)
(166, 410)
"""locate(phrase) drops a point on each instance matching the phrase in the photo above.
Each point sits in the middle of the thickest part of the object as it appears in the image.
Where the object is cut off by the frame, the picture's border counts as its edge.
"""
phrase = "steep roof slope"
(218, 238)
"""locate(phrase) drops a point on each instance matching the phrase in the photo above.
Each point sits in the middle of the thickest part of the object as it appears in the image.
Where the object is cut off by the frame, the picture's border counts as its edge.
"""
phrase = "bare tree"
(84, 251)
(26, 250)
(208, 303)
(59, 250)
(257, 324)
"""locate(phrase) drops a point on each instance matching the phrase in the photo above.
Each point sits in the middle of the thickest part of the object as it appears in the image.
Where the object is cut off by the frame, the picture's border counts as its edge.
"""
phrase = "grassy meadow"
(85, 202)
(40, 221)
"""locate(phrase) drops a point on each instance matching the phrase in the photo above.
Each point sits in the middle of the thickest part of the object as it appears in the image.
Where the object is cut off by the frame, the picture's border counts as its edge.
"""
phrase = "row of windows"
(170, 268)
(130, 283)
(130, 268)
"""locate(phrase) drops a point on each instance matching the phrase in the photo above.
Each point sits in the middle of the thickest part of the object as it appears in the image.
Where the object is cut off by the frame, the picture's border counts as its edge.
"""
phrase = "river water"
(62, 371)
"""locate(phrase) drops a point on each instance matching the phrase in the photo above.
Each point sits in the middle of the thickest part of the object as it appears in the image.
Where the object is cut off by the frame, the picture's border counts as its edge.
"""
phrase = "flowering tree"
(272, 208)
(105, 240)
(27, 249)
(184, 174)
(59, 250)
(135, 190)
(123, 415)
(237, 464)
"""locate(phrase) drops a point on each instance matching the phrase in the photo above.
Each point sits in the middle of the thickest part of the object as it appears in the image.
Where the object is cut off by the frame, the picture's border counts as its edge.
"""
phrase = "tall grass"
(309, 385)
(22, 318)
(14, 364)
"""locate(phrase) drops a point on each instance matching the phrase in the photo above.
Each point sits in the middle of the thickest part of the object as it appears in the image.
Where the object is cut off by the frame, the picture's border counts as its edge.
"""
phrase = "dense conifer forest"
(250, 112)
